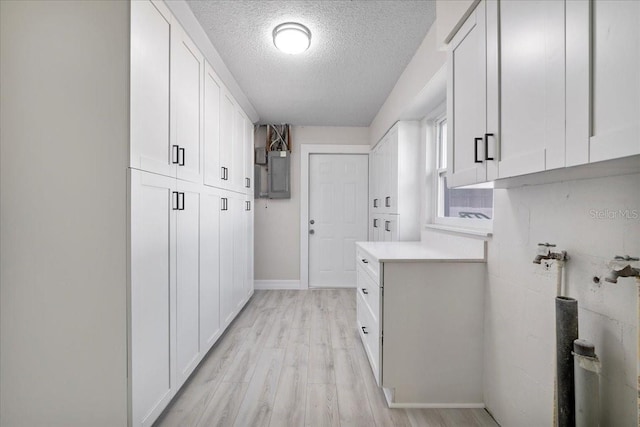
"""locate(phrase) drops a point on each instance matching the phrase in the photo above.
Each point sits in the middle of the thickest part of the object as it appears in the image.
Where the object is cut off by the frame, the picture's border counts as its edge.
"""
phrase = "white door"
(338, 196)
(227, 108)
(209, 268)
(211, 119)
(226, 260)
(150, 47)
(153, 275)
(188, 280)
(187, 68)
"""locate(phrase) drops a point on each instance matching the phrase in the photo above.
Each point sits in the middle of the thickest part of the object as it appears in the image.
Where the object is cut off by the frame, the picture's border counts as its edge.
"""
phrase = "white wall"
(519, 314)
(423, 67)
(450, 16)
(277, 222)
(64, 132)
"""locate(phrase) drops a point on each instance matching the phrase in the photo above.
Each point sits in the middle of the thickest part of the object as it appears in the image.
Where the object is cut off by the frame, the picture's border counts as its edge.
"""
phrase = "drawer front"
(371, 266)
(369, 331)
(370, 292)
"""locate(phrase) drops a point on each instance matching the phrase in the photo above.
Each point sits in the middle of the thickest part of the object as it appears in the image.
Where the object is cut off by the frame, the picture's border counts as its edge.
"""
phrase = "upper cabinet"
(184, 122)
(541, 85)
(467, 101)
(603, 80)
(395, 183)
(151, 28)
(187, 68)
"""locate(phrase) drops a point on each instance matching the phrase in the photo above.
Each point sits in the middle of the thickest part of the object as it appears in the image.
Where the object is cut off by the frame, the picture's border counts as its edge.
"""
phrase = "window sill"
(470, 232)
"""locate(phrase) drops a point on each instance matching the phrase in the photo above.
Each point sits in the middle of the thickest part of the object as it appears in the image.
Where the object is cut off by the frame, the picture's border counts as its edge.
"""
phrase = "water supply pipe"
(566, 334)
(586, 367)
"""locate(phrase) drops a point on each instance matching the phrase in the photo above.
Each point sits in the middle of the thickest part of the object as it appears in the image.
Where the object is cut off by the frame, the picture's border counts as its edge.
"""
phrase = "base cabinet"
(421, 325)
(190, 248)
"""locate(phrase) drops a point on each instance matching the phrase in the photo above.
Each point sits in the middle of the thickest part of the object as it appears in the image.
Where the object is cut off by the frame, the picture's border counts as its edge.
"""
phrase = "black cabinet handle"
(247, 205)
(175, 204)
(222, 173)
(387, 201)
(175, 154)
(375, 223)
(375, 203)
(475, 150)
(486, 146)
(226, 174)
(364, 291)
(181, 200)
(364, 261)
(225, 206)
(181, 154)
(364, 330)
(247, 182)
(386, 225)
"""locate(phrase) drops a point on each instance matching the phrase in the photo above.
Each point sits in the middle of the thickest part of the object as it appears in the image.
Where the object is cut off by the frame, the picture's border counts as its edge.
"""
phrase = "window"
(466, 207)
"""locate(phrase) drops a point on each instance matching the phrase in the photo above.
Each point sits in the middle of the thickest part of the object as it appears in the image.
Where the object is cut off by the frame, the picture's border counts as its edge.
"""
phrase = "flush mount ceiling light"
(292, 37)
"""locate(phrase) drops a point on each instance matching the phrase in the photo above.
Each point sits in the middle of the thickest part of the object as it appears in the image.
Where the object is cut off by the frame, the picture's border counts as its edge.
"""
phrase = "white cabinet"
(166, 94)
(532, 87)
(211, 133)
(152, 282)
(603, 80)
(191, 243)
(395, 182)
(210, 325)
(187, 67)
(187, 294)
(151, 29)
(420, 318)
(541, 85)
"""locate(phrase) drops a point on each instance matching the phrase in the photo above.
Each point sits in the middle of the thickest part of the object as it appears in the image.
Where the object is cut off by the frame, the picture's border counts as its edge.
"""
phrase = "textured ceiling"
(358, 51)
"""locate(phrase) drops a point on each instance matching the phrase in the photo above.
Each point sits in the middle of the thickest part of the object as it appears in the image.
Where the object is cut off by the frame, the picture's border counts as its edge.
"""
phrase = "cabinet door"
(211, 119)
(248, 223)
(186, 103)
(375, 179)
(391, 197)
(532, 87)
(237, 208)
(188, 280)
(378, 228)
(226, 259)
(227, 108)
(248, 156)
(152, 282)
(238, 152)
(209, 268)
(603, 80)
(150, 85)
(466, 100)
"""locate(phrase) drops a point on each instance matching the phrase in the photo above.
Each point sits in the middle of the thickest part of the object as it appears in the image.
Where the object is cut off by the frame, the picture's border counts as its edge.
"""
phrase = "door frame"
(306, 151)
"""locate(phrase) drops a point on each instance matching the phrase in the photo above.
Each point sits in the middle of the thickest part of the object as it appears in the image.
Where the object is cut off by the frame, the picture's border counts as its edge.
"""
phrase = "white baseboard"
(276, 284)
(388, 394)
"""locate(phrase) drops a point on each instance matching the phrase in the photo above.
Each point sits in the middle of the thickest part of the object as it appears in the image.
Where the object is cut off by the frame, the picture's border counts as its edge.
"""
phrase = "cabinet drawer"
(370, 265)
(370, 292)
(369, 331)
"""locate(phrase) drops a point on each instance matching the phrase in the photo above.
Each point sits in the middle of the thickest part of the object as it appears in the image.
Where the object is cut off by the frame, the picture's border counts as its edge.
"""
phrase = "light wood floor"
(294, 358)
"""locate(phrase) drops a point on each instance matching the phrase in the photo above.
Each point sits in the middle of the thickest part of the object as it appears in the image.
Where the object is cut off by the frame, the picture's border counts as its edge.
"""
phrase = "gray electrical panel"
(278, 175)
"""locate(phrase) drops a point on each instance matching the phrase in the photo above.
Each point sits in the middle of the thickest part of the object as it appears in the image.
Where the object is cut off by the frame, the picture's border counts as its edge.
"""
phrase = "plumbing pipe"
(566, 334)
(586, 368)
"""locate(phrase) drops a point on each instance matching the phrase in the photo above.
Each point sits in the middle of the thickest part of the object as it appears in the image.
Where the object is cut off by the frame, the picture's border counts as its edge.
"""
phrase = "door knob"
(312, 222)
(311, 231)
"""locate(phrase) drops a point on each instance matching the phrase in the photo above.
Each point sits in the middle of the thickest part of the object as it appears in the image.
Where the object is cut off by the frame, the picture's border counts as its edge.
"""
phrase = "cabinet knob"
(312, 232)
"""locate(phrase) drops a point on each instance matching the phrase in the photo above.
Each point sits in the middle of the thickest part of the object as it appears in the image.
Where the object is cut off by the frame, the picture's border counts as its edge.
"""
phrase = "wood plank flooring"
(294, 358)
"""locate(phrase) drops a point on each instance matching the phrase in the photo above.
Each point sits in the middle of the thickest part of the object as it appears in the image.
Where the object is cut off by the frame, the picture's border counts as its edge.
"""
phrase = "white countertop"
(420, 252)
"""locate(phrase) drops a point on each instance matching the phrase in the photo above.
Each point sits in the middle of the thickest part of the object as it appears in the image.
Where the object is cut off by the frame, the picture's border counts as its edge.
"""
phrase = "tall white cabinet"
(394, 184)
(542, 85)
(191, 231)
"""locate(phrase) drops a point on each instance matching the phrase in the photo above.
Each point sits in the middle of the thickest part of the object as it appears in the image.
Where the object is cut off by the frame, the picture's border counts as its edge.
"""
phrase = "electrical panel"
(278, 176)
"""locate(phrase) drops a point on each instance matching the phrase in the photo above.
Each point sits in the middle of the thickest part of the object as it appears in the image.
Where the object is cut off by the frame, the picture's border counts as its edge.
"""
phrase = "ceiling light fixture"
(291, 37)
